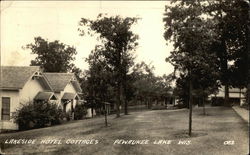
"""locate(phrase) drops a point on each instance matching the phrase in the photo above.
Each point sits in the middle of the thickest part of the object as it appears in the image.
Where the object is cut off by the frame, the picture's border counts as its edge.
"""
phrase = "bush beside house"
(37, 115)
(80, 111)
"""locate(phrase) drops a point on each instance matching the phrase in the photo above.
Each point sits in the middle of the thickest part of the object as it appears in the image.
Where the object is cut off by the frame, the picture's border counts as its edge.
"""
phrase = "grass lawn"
(209, 133)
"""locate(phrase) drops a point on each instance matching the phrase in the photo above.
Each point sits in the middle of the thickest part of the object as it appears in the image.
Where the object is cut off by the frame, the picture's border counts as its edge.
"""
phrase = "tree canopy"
(118, 42)
(52, 56)
(207, 35)
(192, 36)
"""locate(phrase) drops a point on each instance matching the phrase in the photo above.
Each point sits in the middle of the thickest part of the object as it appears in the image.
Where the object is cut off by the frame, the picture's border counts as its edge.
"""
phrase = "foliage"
(52, 56)
(237, 21)
(144, 80)
(99, 79)
(182, 90)
(80, 111)
(192, 36)
(78, 73)
(231, 18)
(207, 35)
(147, 86)
(37, 115)
(217, 101)
(115, 51)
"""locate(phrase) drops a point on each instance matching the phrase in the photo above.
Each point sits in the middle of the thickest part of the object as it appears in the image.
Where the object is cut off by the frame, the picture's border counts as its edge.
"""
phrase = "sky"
(58, 20)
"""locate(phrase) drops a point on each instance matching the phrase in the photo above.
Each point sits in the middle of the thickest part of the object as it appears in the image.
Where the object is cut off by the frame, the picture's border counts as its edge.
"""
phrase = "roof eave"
(10, 88)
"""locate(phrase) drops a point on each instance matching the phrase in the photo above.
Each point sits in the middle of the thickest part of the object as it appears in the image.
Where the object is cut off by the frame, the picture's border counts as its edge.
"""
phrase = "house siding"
(234, 93)
(58, 101)
(30, 90)
(68, 89)
(14, 104)
(24, 95)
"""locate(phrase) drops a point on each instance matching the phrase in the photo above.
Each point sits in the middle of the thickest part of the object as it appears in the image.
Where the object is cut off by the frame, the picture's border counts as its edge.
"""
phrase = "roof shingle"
(45, 96)
(59, 81)
(15, 77)
(69, 96)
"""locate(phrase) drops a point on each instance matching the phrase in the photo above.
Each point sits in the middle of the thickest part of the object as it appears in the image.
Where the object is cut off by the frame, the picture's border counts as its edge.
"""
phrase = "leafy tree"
(192, 37)
(238, 40)
(231, 20)
(142, 76)
(224, 35)
(147, 86)
(117, 43)
(52, 56)
(99, 77)
(248, 55)
(198, 27)
(78, 73)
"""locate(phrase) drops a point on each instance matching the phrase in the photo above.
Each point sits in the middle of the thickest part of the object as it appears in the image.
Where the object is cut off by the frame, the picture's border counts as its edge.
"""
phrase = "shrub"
(80, 111)
(159, 107)
(217, 101)
(245, 105)
(37, 115)
(181, 106)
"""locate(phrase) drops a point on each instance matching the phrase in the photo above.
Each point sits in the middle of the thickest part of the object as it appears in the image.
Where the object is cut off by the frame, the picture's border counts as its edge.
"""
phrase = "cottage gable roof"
(70, 96)
(59, 81)
(45, 96)
(15, 77)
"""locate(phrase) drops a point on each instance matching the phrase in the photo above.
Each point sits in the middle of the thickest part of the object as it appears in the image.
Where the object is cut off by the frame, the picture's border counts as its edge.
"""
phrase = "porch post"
(72, 109)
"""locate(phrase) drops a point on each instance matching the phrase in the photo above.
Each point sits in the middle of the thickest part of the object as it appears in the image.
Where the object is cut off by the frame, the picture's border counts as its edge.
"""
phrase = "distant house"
(236, 95)
(19, 85)
(67, 90)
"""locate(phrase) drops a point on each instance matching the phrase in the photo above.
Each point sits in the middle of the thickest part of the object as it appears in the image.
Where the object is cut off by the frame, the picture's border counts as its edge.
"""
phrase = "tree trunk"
(240, 96)
(226, 101)
(225, 75)
(224, 69)
(224, 64)
(248, 55)
(203, 101)
(166, 102)
(147, 102)
(92, 112)
(190, 106)
(248, 94)
(106, 113)
(118, 100)
(126, 107)
(124, 94)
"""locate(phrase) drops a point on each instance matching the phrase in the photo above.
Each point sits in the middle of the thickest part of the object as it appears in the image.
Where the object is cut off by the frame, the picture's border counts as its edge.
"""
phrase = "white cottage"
(236, 95)
(66, 88)
(20, 85)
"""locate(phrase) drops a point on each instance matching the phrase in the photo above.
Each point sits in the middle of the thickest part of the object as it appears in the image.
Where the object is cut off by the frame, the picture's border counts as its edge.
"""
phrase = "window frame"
(3, 112)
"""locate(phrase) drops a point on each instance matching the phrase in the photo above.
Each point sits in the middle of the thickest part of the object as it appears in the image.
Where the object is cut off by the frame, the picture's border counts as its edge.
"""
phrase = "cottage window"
(5, 108)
